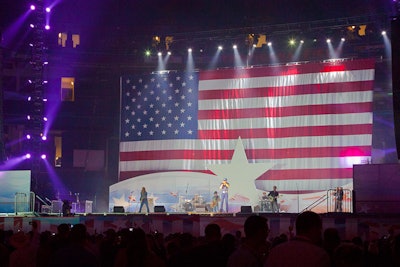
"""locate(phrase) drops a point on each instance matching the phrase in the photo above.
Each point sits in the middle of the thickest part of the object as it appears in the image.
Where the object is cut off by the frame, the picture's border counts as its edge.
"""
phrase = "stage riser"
(349, 225)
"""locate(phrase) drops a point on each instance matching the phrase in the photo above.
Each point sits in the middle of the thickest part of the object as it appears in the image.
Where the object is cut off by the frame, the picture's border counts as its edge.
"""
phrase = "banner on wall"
(15, 191)
(305, 124)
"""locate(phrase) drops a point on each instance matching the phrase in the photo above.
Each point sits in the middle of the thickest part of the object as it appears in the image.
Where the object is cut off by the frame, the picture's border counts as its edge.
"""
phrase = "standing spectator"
(304, 249)
(25, 252)
(77, 253)
(254, 249)
(137, 252)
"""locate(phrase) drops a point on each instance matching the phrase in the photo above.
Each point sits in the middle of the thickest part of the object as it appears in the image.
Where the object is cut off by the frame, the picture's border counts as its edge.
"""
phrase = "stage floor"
(367, 226)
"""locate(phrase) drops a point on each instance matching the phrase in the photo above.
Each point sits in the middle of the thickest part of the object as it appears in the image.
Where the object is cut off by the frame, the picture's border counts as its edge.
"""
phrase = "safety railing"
(339, 200)
(335, 200)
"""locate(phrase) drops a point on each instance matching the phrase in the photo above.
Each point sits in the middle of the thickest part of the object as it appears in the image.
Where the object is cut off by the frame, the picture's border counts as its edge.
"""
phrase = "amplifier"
(56, 206)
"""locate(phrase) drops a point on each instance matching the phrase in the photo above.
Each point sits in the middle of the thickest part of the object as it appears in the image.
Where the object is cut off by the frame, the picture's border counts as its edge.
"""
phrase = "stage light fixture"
(43, 156)
(328, 40)
(342, 39)
(156, 41)
(48, 9)
(220, 47)
(292, 42)
(302, 41)
(169, 53)
(269, 44)
(31, 25)
(32, 7)
(28, 136)
(168, 41)
(28, 156)
(159, 54)
(250, 40)
(190, 50)
(147, 53)
(383, 33)
(47, 27)
(234, 46)
(261, 40)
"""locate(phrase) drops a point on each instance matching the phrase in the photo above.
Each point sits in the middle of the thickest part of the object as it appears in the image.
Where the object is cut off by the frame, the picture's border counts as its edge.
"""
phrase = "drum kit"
(190, 204)
(265, 204)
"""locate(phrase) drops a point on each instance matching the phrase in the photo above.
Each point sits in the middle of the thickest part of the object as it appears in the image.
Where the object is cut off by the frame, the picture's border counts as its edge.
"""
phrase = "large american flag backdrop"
(313, 121)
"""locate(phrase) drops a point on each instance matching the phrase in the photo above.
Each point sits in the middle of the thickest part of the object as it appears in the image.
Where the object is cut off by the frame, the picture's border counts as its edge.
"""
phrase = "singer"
(224, 187)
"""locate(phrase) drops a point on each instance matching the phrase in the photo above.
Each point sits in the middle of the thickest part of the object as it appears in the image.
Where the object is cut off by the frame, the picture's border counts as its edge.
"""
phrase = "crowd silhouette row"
(305, 244)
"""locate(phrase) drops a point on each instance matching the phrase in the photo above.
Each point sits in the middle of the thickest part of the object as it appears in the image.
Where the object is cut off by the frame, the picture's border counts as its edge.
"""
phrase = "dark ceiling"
(171, 16)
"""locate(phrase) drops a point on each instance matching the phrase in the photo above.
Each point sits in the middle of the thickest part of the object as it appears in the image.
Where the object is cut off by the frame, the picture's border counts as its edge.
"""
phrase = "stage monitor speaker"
(159, 209)
(245, 209)
(119, 209)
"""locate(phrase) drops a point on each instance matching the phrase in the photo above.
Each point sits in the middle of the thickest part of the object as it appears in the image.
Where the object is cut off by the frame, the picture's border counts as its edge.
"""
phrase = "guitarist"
(274, 199)
(215, 202)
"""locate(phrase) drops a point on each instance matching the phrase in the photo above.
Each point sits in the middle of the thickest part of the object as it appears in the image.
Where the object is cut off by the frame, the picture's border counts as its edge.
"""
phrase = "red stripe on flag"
(288, 132)
(129, 174)
(285, 111)
(309, 152)
(358, 86)
(307, 174)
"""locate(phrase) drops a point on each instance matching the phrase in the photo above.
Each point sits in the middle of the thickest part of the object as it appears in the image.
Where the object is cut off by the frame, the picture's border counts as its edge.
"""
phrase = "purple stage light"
(44, 138)
(48, 9)
(28, 156)
(31, 25)
(43, 156)
(45, 118)
(32, 7)
(47, 27)
(28, 136)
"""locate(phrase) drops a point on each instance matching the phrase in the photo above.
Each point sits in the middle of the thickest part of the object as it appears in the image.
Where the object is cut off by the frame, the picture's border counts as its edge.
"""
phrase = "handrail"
(316, 203)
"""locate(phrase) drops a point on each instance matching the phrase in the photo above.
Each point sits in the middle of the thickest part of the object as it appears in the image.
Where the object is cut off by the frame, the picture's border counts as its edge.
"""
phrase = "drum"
(187, 206)
(201, 199)
(265, 205)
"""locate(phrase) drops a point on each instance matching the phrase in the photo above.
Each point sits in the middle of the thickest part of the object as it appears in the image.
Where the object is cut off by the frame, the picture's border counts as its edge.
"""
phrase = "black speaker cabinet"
(119, 209)
(245, 209)
(159, 209)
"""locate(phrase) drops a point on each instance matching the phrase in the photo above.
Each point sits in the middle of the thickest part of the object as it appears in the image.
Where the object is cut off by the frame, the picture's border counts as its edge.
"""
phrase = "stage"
(367, 226)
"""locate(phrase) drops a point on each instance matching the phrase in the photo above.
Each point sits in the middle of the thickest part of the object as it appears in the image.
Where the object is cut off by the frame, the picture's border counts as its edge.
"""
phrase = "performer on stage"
(143, 200)
(215, 202)
(339, 199)
(224, 187)
(274, 199)
(66, 208)
(264, 200)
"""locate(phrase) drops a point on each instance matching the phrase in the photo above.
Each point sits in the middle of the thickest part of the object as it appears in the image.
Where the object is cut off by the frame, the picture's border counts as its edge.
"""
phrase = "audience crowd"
(309, 246)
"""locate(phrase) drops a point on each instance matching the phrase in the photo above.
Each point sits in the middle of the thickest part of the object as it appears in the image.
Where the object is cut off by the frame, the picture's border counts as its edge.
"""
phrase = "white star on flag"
(241, 175)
